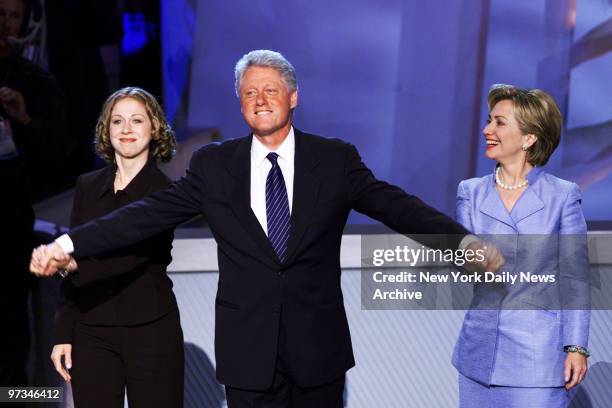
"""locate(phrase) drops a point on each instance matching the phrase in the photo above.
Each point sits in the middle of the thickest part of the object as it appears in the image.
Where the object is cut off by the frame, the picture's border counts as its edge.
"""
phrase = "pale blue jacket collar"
(529, 202)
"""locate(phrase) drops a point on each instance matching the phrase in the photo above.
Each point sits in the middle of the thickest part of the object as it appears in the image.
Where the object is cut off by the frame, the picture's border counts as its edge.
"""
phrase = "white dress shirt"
(261, 166)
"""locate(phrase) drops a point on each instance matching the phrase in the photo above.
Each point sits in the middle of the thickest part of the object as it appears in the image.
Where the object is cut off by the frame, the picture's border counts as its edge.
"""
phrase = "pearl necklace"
(506, 186)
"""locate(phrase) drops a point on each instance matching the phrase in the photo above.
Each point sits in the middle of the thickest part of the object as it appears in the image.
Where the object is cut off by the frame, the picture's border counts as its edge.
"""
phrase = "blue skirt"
(475, 395)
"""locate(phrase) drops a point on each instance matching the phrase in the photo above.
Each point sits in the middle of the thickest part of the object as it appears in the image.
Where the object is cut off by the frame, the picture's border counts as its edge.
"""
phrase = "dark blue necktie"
(277, 208)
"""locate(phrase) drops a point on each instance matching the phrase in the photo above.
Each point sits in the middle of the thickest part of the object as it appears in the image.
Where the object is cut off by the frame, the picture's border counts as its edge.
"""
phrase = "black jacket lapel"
(240, 199)
(306, 186)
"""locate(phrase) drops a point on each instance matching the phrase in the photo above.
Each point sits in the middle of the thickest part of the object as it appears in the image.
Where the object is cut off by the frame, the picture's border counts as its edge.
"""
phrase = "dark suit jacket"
(254, 287)
(127, 286)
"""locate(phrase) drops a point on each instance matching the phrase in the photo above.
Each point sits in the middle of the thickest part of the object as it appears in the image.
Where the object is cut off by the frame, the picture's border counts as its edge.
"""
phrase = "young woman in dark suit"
(118, 325)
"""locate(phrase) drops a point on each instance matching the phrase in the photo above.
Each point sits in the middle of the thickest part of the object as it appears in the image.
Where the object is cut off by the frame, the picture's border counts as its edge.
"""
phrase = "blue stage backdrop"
(406, 81)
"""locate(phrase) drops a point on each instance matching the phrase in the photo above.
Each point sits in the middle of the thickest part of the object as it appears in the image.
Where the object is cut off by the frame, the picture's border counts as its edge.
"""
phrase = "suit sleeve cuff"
(65, 243)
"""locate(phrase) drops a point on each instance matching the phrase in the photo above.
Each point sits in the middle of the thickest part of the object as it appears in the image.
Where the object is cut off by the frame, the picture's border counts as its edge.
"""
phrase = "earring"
(525, 146)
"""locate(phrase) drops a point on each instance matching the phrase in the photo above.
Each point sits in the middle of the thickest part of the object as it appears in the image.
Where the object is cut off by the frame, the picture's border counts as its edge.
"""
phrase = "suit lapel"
(527, 204)
(493, 206)
(306, 186)
(240, 199)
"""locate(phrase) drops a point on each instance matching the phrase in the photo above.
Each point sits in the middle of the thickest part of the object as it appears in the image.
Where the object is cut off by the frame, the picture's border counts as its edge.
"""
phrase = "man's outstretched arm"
(407, 214)
(130, 224)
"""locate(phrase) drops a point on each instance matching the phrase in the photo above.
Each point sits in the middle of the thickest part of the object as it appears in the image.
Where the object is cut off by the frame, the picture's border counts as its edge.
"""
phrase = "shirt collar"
(286, 150)
(139, 185)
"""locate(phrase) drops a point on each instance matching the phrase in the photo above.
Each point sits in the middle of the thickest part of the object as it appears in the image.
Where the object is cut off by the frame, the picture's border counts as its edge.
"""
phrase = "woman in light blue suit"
(524, 358)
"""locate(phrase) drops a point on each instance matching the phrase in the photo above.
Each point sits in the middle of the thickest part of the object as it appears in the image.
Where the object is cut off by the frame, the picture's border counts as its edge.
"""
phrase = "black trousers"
(284, 392)
(147, 360)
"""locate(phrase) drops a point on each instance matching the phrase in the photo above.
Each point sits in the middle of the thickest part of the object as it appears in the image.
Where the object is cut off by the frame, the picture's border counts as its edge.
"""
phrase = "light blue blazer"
(524, 348)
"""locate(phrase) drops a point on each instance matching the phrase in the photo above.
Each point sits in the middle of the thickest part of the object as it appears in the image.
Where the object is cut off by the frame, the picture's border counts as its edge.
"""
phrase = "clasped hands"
(47, 260)
(492, 258)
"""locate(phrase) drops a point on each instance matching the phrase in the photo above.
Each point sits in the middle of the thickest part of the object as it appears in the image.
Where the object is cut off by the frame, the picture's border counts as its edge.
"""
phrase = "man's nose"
(261, 99)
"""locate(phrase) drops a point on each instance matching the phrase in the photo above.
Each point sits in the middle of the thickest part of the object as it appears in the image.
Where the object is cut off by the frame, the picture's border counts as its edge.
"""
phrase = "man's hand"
(493, 259)
(64, 350)
(575, 369)
(47, 260)
(13, 103)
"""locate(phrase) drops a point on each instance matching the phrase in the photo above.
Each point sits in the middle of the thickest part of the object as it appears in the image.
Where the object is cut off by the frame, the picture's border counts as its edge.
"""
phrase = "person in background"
(530, 357)
(33, 142)
(118, 325)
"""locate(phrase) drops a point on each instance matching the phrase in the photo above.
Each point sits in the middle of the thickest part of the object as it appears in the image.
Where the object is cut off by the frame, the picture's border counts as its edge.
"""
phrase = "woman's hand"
(575, 369)
(64, 350)
(48, 259)
(492, 257)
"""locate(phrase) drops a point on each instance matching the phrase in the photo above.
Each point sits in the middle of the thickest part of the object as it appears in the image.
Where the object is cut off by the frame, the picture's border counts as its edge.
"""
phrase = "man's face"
(265, 101)
(12, 13)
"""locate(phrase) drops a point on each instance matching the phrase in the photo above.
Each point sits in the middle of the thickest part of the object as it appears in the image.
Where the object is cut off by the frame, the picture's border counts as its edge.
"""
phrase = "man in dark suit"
(277, 202)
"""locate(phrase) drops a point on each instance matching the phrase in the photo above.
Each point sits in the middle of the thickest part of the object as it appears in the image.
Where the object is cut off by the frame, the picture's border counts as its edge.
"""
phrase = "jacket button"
(280, 273)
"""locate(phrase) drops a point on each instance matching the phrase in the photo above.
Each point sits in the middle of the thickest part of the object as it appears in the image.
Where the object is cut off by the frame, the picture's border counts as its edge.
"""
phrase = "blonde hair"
(537, 113)
(163, 142)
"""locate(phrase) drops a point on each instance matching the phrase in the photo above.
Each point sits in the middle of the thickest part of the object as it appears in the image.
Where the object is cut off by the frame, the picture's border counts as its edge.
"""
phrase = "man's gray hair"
(270, 59)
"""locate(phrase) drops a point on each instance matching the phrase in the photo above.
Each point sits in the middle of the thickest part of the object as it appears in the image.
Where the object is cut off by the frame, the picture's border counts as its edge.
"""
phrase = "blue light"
(135, 33)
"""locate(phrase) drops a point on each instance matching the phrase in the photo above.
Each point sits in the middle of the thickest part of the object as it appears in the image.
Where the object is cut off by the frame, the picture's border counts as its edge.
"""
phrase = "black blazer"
(330, 180)
(127, 286)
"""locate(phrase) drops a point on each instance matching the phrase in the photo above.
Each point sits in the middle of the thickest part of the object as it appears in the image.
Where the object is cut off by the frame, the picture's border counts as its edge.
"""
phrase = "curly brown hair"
(163, 142)
(537, 113)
